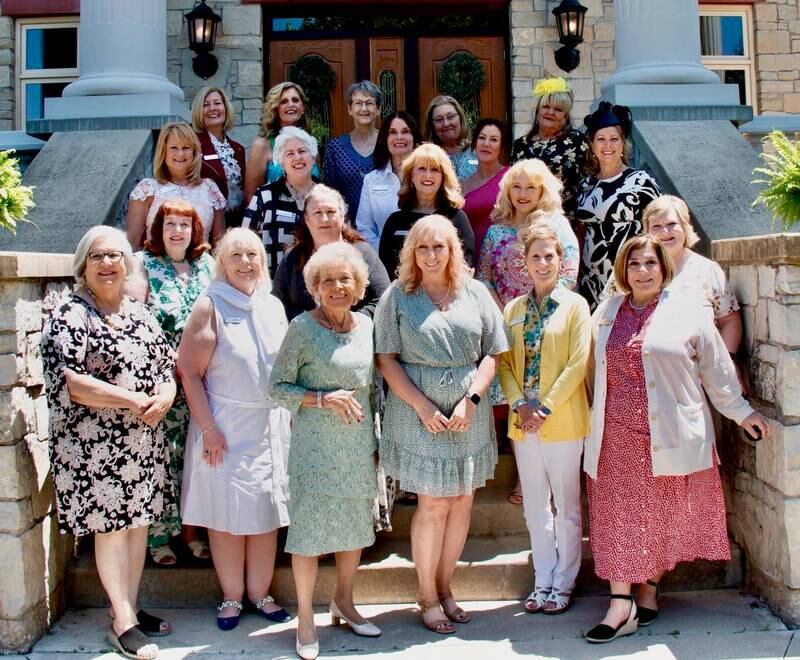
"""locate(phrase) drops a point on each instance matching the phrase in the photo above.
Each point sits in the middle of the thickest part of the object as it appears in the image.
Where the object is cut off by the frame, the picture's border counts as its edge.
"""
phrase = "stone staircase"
(495, 565)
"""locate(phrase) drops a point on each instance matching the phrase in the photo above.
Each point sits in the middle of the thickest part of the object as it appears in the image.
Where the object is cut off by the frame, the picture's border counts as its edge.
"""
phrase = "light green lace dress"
(332, 468)
(440, 352)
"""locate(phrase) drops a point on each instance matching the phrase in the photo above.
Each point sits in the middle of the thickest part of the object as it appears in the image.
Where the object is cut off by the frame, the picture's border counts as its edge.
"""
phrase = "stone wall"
(763, 480)
(7, 84)
(534, 40)
(239, 51)
(35, 555)
(777, 44)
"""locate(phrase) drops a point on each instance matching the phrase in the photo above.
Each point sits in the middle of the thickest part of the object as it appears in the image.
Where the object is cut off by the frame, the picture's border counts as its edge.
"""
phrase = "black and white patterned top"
(273, 213)
(611, 212)
(233, 172)
(110, 469)
(565, 155)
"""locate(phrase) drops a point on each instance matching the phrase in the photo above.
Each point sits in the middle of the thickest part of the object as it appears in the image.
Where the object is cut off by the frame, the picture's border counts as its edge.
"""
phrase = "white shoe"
(307, 651)
(366, 629)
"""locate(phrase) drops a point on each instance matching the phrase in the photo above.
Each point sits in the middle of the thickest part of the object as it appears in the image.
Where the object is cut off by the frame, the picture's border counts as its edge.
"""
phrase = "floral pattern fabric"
(465, 163)
(233, 172)
(171, 300)
(110, 469)
(565, 155)
(532, 332)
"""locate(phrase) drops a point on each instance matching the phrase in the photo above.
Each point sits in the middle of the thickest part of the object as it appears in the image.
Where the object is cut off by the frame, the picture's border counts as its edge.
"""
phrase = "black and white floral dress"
(110, 469)
(611, 212)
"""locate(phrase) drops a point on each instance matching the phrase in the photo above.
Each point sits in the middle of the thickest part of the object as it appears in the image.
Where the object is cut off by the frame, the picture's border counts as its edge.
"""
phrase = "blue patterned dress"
(345, 170)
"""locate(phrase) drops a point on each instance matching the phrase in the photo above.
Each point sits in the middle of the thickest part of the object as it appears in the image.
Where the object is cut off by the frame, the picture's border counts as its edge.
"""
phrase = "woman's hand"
(161, 404)
(756, 426)
(214, 447)
(345, 404)
(432, 418)
(140, 402)
(461, 417)
(530, 418)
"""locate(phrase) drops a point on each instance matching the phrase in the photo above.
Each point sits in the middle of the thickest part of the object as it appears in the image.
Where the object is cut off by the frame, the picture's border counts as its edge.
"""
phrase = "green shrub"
(781, 194)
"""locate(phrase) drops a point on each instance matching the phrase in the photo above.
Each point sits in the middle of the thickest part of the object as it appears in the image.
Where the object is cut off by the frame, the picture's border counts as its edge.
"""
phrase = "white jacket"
(683, 355)
(378, 202)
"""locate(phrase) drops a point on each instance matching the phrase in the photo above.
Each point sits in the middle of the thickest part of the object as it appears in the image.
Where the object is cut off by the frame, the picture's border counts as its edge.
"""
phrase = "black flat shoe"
(278, 616)
(602, 633)
(151, 625)
(648, 615)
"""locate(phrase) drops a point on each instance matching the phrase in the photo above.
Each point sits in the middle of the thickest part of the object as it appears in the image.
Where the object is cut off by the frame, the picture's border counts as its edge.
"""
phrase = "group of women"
(184, 396)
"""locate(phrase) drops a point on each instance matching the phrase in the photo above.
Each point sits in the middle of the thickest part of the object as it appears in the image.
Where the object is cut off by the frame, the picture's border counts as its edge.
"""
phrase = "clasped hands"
(435, 421)
(345, 404)
(151, 408)
(531, 419)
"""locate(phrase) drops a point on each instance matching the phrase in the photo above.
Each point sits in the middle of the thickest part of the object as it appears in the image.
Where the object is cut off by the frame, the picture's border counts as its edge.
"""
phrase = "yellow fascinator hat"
(551, 86)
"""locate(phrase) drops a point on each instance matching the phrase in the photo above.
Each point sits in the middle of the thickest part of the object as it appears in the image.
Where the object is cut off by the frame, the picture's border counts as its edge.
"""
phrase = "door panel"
(386, 57)
(340, 54)
(488, 50)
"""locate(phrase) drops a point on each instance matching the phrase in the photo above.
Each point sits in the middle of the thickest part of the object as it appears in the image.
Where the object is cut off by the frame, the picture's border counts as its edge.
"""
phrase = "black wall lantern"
(569, 21)
(202, 23)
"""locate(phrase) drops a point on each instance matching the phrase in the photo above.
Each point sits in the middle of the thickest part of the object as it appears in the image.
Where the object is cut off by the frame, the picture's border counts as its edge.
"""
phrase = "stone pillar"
(123, 64)
(658, 57)
(762, 480)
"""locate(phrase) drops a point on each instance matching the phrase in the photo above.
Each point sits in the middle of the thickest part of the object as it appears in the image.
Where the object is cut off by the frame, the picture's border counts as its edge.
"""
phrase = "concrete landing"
(695, 625)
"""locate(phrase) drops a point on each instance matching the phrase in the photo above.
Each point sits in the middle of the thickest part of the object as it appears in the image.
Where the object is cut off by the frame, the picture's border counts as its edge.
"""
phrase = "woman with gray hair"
(109, 376)
(276, 208)
(349, 157)
(324, 375)
(234, 475)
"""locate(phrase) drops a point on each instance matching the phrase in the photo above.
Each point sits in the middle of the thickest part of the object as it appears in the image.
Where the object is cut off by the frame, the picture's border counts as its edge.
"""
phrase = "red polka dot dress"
(640, 524)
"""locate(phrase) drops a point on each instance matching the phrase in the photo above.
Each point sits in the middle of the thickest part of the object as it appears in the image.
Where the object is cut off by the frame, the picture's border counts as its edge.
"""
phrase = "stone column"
(658, 57)
(123, 63)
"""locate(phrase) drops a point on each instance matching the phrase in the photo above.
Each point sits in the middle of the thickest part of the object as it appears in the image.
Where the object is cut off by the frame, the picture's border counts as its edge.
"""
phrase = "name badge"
(472, 161)
(285, 214)
(517, 321)
(402, 232)
(210, 157)
(380, 189)
(232, 320)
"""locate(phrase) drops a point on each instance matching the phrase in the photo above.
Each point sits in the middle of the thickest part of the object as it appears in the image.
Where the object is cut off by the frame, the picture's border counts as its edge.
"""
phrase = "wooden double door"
(405, 68)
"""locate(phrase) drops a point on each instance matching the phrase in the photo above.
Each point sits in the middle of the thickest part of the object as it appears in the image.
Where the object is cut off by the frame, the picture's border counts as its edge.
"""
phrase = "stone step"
(491, 568)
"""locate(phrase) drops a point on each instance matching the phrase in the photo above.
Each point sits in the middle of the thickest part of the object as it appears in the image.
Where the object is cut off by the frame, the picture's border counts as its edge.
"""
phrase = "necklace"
(297, 195)
(442, 301)
(636, 307)
(334, 326)
(117, 321)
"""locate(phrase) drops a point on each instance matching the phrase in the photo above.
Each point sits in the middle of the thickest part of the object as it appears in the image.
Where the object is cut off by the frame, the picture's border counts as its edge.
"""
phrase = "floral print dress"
(171, 299)
(110, 469)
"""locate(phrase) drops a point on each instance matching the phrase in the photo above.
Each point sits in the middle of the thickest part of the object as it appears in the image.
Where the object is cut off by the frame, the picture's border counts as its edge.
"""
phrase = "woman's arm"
(365, 220)
(432, 418)
(135, 221)
(467, 236)
(217, 226)
(94, 393)
(256, 167)
(730, 329)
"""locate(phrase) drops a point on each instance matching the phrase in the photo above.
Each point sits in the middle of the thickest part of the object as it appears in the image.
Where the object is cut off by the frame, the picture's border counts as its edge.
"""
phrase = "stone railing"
(763, 480)
(34, 554)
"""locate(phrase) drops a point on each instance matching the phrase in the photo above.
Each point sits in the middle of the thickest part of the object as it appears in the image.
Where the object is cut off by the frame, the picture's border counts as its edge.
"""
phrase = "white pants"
(552, 470)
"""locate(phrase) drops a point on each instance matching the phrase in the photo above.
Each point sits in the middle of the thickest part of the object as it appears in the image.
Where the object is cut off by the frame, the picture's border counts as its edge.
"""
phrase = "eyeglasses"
(364, 104)
(445, 118)
(97, 257)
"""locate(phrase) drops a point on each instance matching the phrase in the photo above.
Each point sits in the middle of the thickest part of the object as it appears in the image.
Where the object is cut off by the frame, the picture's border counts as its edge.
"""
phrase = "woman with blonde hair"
(428, 185)
(446, 126)
(284, 105)
(542, 376)
(553, 140)
(437, 339)
(234, 476)
(223, 157)
(177, 166)
(324, 374)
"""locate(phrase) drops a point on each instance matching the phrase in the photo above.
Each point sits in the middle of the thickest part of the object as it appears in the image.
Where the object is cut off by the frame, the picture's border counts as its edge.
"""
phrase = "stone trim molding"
(772, 249)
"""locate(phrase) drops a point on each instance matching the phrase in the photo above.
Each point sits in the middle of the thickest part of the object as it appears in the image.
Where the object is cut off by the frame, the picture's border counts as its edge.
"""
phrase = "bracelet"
(319, 399)
(208, 428)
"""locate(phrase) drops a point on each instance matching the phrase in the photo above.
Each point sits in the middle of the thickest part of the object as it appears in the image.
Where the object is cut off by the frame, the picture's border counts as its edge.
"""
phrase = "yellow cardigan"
(565, 349)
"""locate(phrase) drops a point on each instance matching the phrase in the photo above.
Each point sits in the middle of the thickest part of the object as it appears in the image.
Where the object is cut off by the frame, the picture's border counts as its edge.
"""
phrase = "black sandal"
(646, 614)
(153, 626)
(604, 633)
(130, 643)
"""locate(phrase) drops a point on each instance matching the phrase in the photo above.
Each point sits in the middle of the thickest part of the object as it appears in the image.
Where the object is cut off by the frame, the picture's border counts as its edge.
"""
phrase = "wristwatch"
(474, 397)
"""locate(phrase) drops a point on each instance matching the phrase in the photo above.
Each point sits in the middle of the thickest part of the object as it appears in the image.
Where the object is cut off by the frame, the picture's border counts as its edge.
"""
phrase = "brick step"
(491, 568)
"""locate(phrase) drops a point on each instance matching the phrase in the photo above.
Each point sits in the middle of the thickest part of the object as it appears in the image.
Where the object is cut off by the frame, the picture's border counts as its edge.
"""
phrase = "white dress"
(248, 493)
(205, 197)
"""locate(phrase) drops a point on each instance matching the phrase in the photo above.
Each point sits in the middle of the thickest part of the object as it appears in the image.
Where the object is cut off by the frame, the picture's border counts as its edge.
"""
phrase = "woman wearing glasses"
(348, 158)
(109, 375)
(446, 126)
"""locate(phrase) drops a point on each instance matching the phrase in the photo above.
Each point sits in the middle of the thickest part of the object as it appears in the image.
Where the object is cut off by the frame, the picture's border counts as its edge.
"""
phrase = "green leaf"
(781, 192)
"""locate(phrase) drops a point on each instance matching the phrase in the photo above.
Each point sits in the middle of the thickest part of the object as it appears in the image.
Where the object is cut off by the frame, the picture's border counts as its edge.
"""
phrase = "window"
(47, 61)
(726, 47)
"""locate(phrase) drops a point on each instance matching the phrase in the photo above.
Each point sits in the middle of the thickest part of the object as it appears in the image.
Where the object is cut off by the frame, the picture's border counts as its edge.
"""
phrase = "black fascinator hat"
(609, 115)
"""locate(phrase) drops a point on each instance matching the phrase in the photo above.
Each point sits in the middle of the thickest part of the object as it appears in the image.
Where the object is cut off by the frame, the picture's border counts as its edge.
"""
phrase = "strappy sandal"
(456, 614)
(647, 614)
(535, 601)
(441, 626)
(199, 549)
(163, 555)
(558, 602)
(603, 633)
(515, 497)
(132, 644)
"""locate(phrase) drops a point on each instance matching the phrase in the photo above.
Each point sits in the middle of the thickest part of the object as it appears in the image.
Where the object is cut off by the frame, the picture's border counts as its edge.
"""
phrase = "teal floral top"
(532, 332)
(171, 297)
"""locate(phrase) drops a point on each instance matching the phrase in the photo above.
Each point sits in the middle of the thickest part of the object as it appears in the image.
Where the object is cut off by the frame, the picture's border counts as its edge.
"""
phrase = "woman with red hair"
(179, 267)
